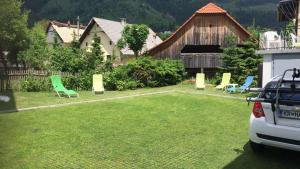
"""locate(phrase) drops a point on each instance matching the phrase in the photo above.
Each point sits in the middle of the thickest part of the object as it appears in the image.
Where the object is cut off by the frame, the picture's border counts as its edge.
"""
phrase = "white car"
(276, 122)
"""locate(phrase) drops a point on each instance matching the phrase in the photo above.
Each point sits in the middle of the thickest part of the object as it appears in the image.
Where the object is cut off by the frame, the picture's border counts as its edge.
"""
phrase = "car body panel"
(277, 131)
(259, 126)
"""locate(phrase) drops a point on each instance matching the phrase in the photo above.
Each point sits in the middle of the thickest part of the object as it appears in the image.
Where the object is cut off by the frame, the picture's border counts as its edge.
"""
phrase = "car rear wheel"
(257, 148)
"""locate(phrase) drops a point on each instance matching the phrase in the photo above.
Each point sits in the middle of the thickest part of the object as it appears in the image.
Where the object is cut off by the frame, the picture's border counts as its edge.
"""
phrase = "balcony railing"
(272, 40)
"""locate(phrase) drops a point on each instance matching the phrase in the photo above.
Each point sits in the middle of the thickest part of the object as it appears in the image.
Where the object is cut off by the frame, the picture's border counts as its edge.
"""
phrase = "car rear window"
(285, 85)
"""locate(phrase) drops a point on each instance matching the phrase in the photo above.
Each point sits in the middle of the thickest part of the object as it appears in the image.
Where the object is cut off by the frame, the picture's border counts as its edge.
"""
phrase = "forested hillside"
(161, 15)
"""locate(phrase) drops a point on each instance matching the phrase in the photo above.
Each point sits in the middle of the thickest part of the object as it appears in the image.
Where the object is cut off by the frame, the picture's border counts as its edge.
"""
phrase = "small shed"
(199, 41)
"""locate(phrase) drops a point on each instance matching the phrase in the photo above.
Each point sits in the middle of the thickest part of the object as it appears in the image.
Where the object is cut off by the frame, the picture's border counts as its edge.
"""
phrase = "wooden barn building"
(199, 41)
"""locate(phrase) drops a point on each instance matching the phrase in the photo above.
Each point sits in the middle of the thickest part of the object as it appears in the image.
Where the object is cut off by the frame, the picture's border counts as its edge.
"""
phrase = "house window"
(86, 44)
(110, 42)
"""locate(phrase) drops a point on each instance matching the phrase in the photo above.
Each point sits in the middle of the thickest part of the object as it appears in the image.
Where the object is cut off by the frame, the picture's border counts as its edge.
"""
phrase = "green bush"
(241, 61)
(82, 82)
(32, 84)
(145, 72)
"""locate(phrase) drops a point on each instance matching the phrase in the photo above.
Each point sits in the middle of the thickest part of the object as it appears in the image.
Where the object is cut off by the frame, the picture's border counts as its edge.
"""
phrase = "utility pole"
(78, 27)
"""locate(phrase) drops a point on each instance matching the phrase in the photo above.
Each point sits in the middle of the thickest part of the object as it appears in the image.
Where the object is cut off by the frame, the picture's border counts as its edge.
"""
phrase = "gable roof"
(208, 9)
(65, 31)
(114, 29)
(211, 8)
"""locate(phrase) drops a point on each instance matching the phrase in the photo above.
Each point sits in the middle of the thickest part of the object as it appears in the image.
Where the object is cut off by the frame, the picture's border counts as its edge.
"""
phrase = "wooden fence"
(9, 77)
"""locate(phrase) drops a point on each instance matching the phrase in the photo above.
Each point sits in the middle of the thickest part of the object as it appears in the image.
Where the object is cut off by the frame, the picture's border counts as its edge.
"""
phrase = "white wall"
(275, 65)
(51, 34)
(108, 47)
(267, 68)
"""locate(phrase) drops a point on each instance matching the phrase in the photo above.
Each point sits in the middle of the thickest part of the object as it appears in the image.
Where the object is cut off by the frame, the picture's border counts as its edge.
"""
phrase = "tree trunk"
(3, 75)
(136, 54)
(4, 62)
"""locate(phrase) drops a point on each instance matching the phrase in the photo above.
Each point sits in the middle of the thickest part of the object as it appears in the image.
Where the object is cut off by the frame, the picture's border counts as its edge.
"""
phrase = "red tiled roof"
(211, 8)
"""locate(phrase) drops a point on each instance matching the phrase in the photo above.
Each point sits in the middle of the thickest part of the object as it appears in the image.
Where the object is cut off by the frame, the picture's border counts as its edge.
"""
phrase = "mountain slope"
(159, 15)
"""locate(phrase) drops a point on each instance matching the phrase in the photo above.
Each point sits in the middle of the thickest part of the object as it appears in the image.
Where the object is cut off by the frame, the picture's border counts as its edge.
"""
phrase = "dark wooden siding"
(202, 29)
(201, 60)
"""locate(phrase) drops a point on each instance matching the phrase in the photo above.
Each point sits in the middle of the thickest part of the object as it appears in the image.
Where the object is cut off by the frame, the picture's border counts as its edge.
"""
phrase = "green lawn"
(171, 130)
(33, 99)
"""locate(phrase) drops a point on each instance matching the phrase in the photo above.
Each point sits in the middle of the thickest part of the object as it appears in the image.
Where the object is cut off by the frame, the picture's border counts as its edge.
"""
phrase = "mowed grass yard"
(178, 129)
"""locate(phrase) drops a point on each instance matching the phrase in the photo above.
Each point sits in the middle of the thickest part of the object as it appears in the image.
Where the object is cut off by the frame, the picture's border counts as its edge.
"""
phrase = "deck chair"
(200, 81)
(225, 81)
(60, 89)
(98, 84)
(245, 86)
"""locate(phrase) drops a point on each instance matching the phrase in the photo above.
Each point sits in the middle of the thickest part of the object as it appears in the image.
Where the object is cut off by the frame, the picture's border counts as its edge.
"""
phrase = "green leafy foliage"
(241, 62)
(164, 35)
(74, 60)
(289, 28)
(36, 56)
(32, 84)
(134, 36)
(13, 29)
(145, 72)
(67, 59)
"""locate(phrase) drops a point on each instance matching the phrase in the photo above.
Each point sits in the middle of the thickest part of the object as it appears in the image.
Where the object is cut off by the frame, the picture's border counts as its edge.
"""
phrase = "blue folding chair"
(244, 87)
(247, 84)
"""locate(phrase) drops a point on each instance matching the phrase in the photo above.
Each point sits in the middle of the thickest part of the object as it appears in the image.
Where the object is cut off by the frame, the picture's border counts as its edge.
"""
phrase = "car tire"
(257, 148)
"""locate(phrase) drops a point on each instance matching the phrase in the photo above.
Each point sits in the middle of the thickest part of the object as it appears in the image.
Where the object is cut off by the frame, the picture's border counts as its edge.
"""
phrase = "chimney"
(78, 26)
(123, 21)
(69, 24)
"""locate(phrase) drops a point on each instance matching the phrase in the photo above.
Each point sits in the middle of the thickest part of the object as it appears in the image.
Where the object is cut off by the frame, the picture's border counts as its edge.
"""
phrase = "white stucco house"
(279, 52)
(64, 33)
(110, 33)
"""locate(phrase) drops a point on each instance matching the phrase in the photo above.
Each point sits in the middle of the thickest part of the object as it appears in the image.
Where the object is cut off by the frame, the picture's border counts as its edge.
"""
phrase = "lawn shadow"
(7, 102)
(271, 158)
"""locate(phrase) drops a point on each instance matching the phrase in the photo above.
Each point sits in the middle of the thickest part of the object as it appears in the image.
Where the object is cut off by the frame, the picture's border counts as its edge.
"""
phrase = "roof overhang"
(287, 10)
(87, 30)
(277, 51)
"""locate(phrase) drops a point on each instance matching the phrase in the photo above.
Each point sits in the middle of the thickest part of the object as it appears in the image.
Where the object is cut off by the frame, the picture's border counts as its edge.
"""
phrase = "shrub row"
(140, 73)
(145, 72)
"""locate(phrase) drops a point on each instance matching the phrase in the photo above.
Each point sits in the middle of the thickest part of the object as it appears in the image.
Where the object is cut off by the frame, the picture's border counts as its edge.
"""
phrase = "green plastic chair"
(98, 84)
(225, 81)
(200, 81)
(60, 89)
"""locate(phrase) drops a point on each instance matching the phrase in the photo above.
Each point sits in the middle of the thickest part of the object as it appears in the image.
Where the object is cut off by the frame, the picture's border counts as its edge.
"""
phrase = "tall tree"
(37, 54)
(241, 61)
(134, 36)
(13, 29)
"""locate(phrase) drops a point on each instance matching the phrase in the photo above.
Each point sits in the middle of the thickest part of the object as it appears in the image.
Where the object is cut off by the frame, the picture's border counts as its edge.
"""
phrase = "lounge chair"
(60, 89)
(98, 84)
(225, 81)
(243, 88)
(200, 81)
